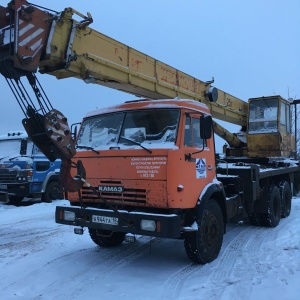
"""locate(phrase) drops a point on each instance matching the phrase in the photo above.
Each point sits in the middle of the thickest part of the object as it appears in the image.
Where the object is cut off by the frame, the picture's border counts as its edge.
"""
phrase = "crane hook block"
(50, 133)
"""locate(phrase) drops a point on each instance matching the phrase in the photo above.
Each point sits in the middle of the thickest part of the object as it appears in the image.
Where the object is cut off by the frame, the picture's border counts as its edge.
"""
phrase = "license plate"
(105, 220)
(3, 186)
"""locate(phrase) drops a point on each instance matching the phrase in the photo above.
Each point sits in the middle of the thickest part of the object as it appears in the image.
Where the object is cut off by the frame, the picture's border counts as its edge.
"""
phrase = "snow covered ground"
(40, 259)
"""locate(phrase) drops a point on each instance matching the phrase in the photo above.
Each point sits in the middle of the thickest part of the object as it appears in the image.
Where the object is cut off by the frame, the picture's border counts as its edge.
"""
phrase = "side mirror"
(23, 147)
(74, 129)
(206, 127)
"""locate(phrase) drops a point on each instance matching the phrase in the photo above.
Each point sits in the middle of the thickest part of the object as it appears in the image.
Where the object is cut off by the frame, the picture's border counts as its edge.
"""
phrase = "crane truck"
(147, 166)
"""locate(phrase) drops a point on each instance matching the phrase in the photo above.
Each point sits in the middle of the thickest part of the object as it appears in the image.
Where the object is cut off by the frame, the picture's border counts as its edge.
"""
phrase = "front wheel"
(204, 245)
(52, 192)
(106, 238)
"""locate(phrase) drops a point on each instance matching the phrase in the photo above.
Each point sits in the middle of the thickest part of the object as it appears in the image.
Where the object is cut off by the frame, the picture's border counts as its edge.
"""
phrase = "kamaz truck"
(25, 172)
(148, 167)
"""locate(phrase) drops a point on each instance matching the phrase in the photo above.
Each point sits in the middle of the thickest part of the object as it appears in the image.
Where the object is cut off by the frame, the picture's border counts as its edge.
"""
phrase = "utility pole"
(295, 102)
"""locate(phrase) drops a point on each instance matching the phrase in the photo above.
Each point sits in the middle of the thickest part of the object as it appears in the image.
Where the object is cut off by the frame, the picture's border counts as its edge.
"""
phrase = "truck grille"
(128, 196)
(6, 176)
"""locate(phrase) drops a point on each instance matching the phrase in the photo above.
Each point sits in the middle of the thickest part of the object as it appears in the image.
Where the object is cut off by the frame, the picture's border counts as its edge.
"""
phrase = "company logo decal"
(200, 167)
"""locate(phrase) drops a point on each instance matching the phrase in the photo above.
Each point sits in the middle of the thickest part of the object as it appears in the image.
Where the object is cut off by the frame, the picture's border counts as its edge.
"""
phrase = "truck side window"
(192, 132)
(285, 117)
(42, 166)
(188, 139)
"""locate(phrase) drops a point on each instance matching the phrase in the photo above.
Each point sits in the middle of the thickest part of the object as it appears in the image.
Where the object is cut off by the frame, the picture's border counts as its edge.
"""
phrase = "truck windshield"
(263, 116)
(156, 128)
(12, 147)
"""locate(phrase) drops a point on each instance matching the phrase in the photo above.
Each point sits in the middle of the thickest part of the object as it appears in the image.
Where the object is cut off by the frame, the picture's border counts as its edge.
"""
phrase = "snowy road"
(40, 259)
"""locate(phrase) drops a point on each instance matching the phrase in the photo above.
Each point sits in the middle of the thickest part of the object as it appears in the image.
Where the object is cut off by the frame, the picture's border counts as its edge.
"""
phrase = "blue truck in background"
(25, 172)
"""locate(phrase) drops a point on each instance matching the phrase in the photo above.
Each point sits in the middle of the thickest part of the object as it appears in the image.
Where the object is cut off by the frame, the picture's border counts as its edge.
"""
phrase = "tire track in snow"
(19, 235)
(22, 242)
(260, 254)
(44, 217)
(281, 244)
(250, 238)
(173, 285)
(110, 263)
(239, 249)
(239, 261)
(85, 266)
(25, 235)
(26, 279)
(245, 247)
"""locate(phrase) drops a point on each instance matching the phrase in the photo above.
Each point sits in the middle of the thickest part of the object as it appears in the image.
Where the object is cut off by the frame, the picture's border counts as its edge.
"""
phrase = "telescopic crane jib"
(55, 44)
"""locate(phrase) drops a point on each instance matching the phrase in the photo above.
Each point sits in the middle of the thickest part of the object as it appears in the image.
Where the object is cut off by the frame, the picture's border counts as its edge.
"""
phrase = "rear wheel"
(106, 238)
(204, 245)
(286, 198)
(271, 217)
(52, 192)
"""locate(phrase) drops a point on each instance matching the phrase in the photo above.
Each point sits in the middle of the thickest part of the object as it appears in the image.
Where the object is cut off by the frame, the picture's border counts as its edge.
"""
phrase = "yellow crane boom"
(76, 50)
(57, 44)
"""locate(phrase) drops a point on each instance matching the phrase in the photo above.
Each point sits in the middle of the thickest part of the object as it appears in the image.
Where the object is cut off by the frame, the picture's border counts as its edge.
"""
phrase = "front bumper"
(15, 189)
(4, 198)
(167, 225)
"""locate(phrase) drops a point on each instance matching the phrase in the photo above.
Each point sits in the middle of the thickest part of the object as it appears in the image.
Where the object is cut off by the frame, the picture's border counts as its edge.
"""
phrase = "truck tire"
(52, 192)
(286, 198)
(15, 200)
(271, 217)
(106, 238)
(204, 245)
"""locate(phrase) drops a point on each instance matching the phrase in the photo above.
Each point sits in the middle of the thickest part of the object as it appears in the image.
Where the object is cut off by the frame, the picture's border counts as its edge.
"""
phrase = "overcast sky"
(251, 48)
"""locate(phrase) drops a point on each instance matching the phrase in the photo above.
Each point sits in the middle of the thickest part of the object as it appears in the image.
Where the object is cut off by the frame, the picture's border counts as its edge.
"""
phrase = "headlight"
(148, 225)
(68, 215)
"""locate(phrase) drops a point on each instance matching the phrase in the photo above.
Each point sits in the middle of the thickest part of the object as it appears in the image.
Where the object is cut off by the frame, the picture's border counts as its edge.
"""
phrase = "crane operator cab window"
(269, 115)
(192, 136)
(263, 116)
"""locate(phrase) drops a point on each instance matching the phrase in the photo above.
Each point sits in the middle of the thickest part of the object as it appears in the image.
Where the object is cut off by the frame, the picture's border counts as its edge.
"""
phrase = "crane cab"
(269, 127)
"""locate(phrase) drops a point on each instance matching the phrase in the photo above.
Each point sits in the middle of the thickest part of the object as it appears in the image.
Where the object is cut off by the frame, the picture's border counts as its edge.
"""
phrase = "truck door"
(40, 169)
(199, 152)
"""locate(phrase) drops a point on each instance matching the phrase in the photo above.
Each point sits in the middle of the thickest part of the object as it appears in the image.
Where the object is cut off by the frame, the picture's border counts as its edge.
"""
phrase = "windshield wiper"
(87, 147)
(12, 158)
(136, 143)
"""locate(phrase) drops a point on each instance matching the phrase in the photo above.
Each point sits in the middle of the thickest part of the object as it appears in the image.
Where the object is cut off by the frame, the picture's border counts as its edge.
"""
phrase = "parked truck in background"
(148, 166)
(25, 172)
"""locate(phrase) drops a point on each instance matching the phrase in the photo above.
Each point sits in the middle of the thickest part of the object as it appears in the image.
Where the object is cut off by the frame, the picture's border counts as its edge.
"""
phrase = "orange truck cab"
(150, 170)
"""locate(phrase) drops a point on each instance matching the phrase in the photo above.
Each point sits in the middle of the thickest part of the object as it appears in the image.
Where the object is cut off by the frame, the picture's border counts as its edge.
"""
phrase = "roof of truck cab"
(14, 135)
(148, 104)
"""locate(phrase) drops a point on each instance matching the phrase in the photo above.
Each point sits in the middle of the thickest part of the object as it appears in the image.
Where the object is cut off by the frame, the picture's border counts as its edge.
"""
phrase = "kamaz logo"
(111, 189)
